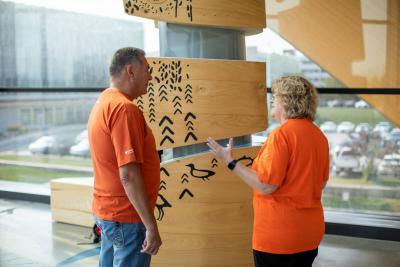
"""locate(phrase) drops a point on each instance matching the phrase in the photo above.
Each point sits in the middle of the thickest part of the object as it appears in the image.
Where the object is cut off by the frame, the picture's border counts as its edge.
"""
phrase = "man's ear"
(130, 70)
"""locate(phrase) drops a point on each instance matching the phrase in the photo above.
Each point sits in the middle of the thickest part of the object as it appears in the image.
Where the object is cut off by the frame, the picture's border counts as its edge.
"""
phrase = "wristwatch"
(232, 164)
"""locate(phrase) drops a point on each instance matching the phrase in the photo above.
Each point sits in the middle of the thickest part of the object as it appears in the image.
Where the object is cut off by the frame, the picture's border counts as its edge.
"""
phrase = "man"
(126, 166)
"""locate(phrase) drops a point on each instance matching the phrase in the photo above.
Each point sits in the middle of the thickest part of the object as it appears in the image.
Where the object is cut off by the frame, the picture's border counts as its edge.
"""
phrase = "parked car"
(381, 129)
(361, 104)
(345, 127)
(394, 135)
(347, 161)
(348, 103)
(82, 149)
(43, 145)
(334, 103)
(328, 127)
(390, 165)
(363, 127)
(82, 135)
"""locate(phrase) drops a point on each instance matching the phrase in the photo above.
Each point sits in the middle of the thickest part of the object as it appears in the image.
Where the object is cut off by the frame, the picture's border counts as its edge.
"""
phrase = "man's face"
(142, 76)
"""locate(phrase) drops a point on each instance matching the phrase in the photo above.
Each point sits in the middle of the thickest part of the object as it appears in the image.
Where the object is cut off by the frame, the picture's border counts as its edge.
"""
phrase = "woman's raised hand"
(224, 153)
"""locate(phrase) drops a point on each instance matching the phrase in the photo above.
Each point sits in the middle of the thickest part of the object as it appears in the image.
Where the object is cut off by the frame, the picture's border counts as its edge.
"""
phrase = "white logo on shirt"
(130, 151)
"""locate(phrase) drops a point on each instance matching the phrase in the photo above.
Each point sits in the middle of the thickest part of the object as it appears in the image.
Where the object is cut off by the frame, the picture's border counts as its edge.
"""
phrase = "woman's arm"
(248, 175)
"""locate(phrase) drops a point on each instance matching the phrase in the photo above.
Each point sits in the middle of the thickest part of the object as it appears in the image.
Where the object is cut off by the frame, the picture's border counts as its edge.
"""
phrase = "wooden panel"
(204, 213)
(248, 15)
(189, 100)
(357, 41)
(71, 200)
(389, 105)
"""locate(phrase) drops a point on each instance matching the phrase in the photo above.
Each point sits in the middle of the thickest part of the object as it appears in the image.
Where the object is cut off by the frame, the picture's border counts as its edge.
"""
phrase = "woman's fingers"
(230, 143)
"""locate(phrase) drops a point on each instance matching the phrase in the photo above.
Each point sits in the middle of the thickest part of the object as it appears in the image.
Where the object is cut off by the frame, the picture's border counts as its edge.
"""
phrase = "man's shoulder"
(116, 102)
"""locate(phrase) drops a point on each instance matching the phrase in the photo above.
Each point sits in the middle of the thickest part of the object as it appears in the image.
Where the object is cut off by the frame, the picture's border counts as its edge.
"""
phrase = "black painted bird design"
(160, 207)
(198, 173)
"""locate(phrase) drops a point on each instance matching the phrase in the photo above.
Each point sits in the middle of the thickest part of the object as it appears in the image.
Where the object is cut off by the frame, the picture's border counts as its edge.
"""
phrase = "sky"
(266, 42)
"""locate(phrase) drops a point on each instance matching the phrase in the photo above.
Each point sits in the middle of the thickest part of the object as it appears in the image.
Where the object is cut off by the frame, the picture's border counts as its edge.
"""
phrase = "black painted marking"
(190, 114)
(165, 118)
(185, 191)
(190, 134)
(167, 129)
(199, 173)
(166, 138)
(177, 104)
(176, 98)
(184, 178)
(187, 101)
(164, 170)
(164, 99)
(244, 158)
(160, 207)
(189, 123)
(177, 111)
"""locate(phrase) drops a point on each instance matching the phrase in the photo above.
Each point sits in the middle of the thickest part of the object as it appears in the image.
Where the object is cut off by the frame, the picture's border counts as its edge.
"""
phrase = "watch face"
(232, 164)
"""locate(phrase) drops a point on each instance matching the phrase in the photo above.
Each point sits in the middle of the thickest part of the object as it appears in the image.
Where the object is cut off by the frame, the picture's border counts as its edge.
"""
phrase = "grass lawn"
(50, 159)
(362, 203)
(354, 115)
(348, 181)
(34, 175)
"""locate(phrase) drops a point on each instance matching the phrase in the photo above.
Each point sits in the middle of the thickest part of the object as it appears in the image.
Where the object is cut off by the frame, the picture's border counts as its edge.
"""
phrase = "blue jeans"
(121, 244)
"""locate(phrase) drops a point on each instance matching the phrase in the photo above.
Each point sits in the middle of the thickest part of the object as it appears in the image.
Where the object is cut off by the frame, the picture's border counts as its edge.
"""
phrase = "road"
(21, 142)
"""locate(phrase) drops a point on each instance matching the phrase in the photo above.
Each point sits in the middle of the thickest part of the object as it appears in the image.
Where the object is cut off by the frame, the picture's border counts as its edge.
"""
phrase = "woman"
(288, 177)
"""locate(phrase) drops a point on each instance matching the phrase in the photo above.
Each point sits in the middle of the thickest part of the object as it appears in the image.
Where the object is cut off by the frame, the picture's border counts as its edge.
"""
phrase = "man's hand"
(152, 242)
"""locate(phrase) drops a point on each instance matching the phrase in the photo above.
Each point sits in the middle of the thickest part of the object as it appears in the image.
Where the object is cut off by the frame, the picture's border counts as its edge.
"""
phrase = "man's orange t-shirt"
(118, 135)
(295, 158)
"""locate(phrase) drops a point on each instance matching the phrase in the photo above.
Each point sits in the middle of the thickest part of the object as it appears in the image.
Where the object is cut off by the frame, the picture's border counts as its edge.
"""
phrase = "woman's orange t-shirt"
(295, 158)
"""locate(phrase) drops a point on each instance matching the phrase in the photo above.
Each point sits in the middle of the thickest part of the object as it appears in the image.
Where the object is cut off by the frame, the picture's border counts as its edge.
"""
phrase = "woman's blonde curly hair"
(298, 97)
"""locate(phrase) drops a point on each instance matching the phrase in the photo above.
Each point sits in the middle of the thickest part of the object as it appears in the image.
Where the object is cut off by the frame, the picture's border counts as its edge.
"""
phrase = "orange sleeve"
(127, 135)
(273, 161)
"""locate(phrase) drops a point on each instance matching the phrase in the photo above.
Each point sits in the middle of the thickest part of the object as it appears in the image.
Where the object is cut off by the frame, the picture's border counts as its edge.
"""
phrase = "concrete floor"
(28, 237)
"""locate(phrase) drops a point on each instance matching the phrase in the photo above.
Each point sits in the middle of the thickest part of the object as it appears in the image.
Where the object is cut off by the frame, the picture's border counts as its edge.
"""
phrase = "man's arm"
(132, 182)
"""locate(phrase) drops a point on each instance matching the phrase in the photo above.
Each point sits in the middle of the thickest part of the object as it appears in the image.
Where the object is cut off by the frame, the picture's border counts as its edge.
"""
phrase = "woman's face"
(277, 110)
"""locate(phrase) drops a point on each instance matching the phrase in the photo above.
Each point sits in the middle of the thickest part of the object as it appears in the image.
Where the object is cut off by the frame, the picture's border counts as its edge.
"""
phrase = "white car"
(345, 127)
(382, 128)
(82, 135)
(363, 127)
(82, 149)
(328, 127)
(361, 104)
(347, 161)
(390, 165)
(43, 145)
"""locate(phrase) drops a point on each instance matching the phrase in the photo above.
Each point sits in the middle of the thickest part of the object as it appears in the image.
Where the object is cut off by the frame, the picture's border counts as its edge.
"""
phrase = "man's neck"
(123, 88)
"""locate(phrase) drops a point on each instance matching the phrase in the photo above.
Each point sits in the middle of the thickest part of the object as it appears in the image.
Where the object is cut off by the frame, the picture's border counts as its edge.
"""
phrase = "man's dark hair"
(123, 57)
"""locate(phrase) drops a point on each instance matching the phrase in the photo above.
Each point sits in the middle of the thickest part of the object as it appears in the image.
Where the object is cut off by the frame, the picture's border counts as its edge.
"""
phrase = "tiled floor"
(28, 237)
